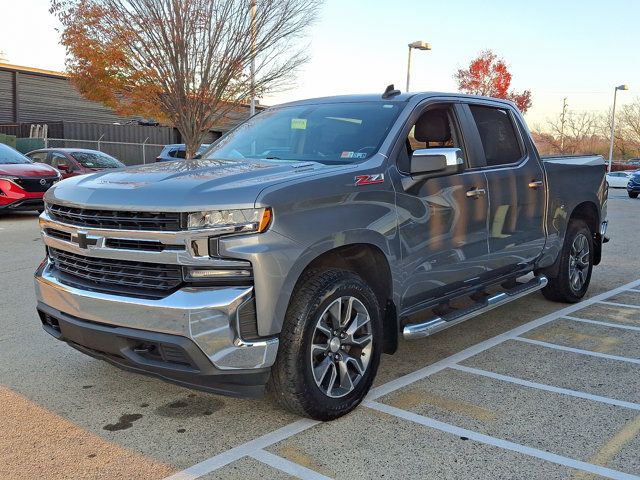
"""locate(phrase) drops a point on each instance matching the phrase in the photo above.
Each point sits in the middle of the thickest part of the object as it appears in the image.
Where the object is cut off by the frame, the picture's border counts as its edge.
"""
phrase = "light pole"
(613, 122)
(252, 108)
(418, 45)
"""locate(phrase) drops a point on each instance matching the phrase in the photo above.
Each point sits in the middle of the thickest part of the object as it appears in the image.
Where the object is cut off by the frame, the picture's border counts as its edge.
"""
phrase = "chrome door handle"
(476, 193)
(535, 184)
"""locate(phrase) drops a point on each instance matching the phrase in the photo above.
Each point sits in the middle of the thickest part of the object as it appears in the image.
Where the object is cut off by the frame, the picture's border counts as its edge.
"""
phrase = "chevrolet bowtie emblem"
(83, 240)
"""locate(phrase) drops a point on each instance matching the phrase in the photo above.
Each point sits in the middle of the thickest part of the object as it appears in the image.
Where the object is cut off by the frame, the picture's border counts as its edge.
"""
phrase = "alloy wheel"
(579, 261)
(341, 346)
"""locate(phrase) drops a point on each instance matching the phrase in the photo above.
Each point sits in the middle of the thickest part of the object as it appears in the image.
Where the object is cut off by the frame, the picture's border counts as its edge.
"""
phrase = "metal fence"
(128, 153)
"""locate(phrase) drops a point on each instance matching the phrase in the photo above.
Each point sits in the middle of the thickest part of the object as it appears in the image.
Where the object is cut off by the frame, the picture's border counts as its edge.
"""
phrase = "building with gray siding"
(32, 96)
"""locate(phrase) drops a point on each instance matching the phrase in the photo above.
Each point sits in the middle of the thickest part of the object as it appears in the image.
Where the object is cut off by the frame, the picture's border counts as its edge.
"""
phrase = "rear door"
(516, 188)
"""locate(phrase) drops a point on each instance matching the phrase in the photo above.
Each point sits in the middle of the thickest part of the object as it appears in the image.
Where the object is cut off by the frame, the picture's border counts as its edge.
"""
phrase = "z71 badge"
(369, 179)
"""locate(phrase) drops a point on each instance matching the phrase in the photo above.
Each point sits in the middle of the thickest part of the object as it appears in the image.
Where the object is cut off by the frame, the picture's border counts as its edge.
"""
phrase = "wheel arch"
(370, 262)
(590, 214)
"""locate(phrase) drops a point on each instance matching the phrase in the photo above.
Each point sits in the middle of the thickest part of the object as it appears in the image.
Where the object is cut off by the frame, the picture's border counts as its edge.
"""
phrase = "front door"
(442, 220)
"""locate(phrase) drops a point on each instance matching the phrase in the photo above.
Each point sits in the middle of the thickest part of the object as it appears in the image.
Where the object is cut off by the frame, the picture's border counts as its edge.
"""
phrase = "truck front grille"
(118, 220)
(115, 275)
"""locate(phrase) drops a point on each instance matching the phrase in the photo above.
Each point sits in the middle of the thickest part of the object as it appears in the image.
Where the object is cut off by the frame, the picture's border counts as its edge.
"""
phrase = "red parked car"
(22, 182)
(75, 161)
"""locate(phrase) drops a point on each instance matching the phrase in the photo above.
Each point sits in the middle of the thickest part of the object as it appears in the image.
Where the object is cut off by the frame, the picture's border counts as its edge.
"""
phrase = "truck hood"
(186, 185)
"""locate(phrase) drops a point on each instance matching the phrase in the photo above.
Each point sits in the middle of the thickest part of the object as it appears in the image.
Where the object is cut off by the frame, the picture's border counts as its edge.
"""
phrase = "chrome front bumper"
(207, 316)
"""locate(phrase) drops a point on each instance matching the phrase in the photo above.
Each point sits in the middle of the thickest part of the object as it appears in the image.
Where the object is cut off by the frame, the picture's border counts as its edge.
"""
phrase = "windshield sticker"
(298, 124)
(353, 155)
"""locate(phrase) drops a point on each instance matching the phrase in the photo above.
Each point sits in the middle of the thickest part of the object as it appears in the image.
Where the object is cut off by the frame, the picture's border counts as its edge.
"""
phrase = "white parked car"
(618, 179)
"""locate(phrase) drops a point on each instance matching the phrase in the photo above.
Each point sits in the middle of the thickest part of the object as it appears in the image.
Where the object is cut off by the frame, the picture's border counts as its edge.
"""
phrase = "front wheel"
(330, 345)
(633, 194)
(573, 265)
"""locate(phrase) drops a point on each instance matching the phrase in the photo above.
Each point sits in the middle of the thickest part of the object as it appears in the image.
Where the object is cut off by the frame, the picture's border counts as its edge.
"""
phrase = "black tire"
(560, 287)
(292, 382)
(633, 194)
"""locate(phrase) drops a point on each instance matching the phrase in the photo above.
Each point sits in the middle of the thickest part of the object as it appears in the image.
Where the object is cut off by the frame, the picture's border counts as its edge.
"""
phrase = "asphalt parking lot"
(533, 389)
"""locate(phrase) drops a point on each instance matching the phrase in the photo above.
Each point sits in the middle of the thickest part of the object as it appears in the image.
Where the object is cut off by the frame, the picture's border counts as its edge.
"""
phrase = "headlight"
(232, 221)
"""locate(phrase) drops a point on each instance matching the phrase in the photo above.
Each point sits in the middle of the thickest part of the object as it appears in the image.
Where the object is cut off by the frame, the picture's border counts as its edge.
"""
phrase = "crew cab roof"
(377, 97)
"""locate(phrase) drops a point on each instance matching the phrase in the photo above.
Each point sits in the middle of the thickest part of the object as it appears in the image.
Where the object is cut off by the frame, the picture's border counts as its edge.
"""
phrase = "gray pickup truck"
(308, 240)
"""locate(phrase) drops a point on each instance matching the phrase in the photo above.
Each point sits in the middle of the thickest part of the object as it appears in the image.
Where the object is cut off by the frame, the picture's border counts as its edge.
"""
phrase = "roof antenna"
(390, 91)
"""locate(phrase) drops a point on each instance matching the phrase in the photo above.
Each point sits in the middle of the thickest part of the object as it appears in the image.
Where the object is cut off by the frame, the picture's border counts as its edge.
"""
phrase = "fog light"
(213, 275)
(216, 273)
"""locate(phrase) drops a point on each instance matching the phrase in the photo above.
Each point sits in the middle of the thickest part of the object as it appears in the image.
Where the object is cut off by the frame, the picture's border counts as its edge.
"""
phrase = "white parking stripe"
(243, 450)
(623, 305)
(287, 431)
(634, 290)
(491, 342)
(578, 350)
(604, 324)
(498, 442)
(545, 387)
(287, 466)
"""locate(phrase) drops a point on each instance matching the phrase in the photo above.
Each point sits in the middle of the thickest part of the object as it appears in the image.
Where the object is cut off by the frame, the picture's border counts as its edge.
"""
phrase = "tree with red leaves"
(489, 76)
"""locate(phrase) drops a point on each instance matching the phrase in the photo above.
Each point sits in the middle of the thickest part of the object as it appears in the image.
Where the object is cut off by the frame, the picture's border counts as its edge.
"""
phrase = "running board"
(424, 329)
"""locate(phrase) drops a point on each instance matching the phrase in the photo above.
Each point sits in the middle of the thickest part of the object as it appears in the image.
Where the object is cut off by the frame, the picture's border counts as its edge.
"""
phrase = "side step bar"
(424, 329)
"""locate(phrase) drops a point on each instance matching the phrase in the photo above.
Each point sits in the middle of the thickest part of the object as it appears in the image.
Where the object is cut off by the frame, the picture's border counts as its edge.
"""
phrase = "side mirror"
(63, 168)
(437, 162)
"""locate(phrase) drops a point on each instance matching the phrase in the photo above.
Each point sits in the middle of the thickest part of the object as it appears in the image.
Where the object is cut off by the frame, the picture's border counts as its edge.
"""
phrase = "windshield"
(96, 160)
(9, 155)
(325, 133)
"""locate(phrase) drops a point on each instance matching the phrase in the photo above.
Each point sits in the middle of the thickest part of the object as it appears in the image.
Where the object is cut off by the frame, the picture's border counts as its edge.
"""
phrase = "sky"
(556, 48)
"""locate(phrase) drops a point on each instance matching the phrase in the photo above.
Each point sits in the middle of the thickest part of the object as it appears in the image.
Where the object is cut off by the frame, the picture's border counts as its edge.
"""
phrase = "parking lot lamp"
(418, 45)
(613, 122)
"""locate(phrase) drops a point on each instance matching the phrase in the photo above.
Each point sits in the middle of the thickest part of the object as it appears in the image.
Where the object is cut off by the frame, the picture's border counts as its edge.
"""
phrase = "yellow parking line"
(36, 443)
(410, 399)
(601, 343)
(610, 449)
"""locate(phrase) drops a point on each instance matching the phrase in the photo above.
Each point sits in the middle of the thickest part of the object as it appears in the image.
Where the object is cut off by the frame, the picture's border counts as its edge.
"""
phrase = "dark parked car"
(633, 187)
(22, 182)
(177, 151)
(75, 161)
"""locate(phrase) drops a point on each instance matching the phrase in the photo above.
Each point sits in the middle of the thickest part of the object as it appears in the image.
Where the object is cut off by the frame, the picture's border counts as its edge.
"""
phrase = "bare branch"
(183, 61)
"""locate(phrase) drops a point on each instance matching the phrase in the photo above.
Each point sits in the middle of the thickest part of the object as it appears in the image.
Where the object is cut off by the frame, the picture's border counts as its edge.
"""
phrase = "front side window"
(58, 159)
(435, 128)
(326, 133)
(40, 157)
(497, 134)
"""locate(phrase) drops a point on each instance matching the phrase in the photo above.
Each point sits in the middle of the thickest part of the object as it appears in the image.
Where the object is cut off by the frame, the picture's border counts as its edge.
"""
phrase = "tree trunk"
(192, 144)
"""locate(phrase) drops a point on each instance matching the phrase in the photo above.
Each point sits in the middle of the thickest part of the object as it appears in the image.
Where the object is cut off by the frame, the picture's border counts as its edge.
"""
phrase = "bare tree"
(574, 132)
(182, 61)
(630, 121)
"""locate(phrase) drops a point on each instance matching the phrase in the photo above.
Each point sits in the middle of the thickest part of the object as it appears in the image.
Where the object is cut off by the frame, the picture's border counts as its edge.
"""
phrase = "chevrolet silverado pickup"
(313, 237)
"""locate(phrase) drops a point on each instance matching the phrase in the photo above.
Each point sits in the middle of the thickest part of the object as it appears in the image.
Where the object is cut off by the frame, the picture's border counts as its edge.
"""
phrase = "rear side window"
(498, 135)
(40, 157)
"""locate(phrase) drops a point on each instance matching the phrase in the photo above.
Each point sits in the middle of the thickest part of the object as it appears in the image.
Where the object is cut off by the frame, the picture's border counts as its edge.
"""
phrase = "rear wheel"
(633, 194)
(330, 345)
(573, 265)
